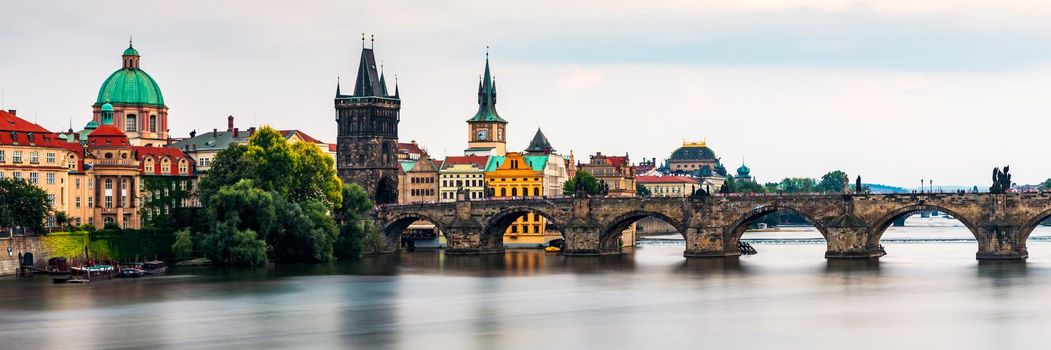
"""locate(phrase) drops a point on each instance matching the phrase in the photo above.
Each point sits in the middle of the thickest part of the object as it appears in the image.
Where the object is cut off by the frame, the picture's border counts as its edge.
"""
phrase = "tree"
(305, 232)
(273, 160)
(313, 176)
(833, 181)
(642, 191)
(352, 228)
(797, 185)
(24, 204)
(182, 248)
(226, 244)
(229, 166)
(251, 206)
(748, 187)
(583, 180)
(1046, 184)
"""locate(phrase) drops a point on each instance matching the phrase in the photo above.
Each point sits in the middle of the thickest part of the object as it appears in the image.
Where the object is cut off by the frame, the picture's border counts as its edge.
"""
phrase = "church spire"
(396, 94)
(337, 86)
(368, 80)
(487, 96)
(383, 83)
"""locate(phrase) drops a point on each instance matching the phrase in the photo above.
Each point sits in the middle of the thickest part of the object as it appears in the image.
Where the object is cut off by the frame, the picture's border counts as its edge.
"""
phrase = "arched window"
(514, 192)
(536, 191)
(503, 192)
(131, 123)
(165, 166)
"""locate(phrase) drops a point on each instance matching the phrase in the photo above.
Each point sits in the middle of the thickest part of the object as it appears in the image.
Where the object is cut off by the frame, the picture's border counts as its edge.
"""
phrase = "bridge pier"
(585, 241)
(850, 243)
(470, 241)
(1000, 242)
(709, 242)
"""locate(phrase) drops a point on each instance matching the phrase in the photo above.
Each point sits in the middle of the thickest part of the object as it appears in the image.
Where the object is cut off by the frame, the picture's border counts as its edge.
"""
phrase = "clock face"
(483, 134)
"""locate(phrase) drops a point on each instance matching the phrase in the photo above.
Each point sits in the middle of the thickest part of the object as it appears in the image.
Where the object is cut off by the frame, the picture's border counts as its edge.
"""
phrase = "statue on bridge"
(857, 185)
(699, 193)
(1001, 180)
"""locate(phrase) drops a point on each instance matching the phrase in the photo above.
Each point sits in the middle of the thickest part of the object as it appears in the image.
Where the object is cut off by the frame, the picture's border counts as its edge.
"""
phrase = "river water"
(928, 292)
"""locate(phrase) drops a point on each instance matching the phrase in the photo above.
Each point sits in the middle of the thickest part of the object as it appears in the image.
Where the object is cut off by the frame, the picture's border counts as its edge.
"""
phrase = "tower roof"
(539, 144)
(487, 98)
(370, 82)
(130, 85)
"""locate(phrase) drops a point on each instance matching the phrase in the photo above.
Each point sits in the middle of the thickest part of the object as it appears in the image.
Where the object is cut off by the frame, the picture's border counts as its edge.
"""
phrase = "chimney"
(230, 124)
(235, 131)
(13, 112)
(214, 131)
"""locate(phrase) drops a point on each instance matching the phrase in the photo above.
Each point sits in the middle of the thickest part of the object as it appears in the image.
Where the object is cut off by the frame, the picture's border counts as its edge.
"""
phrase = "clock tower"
(486, 131)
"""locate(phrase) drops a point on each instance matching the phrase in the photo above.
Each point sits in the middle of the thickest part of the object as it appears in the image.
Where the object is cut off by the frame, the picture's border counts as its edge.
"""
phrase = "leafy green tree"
(1046, 184)
(228, 167)
(182, 248)
(772, 187)
(748, 187)
(313, 176)
(583, 180)
(273, 160)
(251, 206)
(642, 191)
(23, 204)
(350, 217)
(305, 232)
(797, 185)
(226, 244)
(833, 181)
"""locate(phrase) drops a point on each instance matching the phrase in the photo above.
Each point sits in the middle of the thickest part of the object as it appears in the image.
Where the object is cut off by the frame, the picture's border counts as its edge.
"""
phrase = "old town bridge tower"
(367, 142)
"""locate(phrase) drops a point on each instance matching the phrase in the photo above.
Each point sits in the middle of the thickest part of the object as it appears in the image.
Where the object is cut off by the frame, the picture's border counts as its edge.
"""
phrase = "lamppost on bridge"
(921, 185)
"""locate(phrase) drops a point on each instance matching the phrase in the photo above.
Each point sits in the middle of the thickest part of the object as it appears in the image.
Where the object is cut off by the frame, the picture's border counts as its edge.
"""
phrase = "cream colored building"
(462, 173)
(669, 186)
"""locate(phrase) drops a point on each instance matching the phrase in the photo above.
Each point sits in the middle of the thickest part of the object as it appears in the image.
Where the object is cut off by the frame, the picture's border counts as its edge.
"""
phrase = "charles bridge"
(851, 224)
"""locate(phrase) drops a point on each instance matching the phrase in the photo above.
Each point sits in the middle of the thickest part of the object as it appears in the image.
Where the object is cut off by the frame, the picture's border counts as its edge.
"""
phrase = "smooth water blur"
(923, 294)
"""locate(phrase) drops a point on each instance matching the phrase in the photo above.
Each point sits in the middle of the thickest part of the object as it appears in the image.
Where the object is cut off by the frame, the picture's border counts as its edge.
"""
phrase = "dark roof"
(687, 153)
(487, 99)
(212, 141)
(478, 161)
(539, 143)
(368, 83)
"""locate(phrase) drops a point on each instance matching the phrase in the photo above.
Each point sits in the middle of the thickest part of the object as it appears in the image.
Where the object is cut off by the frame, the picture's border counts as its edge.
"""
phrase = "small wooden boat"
(152, 268)
(129, 272)
(552, 249)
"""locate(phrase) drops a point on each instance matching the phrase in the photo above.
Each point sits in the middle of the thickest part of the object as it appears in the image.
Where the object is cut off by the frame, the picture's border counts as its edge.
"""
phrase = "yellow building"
(516, 176)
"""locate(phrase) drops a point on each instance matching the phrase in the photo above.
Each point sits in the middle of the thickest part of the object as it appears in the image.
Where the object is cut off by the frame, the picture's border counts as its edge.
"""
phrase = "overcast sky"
(894, 90)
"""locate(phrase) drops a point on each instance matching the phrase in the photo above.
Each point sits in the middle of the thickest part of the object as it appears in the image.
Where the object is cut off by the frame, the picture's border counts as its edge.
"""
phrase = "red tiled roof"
(158, 153)
(107, 130)
(107, 135)
(9, 122)
(303, 135)
(478, 161)
(410, 148)
(665, 179)
(618, 161)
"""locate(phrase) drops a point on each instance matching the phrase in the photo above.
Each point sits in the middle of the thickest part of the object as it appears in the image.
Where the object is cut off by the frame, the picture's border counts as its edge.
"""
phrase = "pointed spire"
(487, 96)
(396, 94)
(367, 82)
(383, 83)
(540, 144)
(337, 86)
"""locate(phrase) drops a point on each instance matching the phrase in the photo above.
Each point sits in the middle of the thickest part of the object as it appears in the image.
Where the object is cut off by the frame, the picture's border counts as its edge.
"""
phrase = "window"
(536, 191)
(109, 184)
(205, 161)
(3, 156)
(153, 123)
(34, 178)
(91, 221)
(50, 178)
(109, 201)
(78, 183)
(130, 123)
(514, 228)
(34, 157)
(51, 199)
(91, 183)
(91, 202)
(77, 201)
(51, 221)
(16, 157)
(51, 158)
(1, 174)
(183, 167)
(165, 167)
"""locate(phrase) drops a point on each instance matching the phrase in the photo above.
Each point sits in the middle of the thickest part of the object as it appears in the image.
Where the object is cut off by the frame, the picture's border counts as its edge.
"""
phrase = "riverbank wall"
(17, 246)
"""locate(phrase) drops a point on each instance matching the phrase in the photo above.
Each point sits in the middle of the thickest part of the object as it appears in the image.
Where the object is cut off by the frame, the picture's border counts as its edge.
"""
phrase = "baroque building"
(138, 105)
(367, 141)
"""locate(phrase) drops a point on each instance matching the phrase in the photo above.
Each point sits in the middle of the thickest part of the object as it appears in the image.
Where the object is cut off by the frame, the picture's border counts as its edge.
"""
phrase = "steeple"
(487, 97)
(337, 86)
(396, 94)
(368, 81)
(383, 83)
(130, 57)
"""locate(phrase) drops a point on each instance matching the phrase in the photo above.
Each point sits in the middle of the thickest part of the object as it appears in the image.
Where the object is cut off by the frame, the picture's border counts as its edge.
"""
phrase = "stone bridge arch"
(736, 229)
(611, 231)
(495, 227)
(392, 228)
(880, 225)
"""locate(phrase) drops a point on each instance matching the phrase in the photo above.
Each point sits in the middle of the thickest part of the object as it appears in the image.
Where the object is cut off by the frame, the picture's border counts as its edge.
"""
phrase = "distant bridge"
(851, 224)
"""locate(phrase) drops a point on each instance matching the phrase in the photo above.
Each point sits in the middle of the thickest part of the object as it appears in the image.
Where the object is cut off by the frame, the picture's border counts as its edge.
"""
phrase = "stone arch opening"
(521, 227)
(1032, 224)
(881, 225)
(615, 235)
(386, 191)
(404, 231)
(735, 231)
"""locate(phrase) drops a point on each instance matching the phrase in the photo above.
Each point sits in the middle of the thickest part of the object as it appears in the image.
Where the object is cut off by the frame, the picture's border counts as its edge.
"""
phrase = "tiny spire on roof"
(362, 40)
(372, 39)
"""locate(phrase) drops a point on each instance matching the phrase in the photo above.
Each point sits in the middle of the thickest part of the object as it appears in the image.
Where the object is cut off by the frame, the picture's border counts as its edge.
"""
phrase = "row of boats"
(87, 274)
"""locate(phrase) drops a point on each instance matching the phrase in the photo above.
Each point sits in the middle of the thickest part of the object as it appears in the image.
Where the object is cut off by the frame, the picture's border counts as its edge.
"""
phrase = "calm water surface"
(928, 292)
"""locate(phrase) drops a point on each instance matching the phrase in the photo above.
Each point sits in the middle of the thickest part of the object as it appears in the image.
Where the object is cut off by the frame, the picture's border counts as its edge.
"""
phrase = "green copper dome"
(107, 107)
(743, 170)
(130, 86)
(131, 51)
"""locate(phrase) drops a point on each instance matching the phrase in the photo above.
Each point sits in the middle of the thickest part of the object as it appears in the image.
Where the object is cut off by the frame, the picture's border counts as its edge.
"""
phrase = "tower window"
(153, 123)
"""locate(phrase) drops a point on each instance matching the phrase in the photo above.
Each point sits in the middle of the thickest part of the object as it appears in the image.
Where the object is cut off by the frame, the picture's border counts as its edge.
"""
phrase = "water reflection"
(852, 266)
(710, 266)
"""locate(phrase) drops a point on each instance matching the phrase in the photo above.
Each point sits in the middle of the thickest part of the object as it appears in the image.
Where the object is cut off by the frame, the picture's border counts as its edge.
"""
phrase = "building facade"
(418, 181)
(670, 185)
(367, 142)
(615, 172)
(462, 173)
(512, 176)
(138, 105)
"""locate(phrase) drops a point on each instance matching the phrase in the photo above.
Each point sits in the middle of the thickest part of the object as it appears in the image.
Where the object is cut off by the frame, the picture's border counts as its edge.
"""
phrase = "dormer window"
(29, 136)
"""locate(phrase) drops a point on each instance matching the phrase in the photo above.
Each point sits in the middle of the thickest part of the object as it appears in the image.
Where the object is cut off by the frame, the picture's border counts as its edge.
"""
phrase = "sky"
(893, 90)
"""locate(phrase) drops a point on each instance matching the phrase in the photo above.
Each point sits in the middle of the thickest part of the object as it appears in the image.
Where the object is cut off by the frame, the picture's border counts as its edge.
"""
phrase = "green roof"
(130, 86)
(536, 162)
(131, 51)
(487, 99)
(407, 165)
